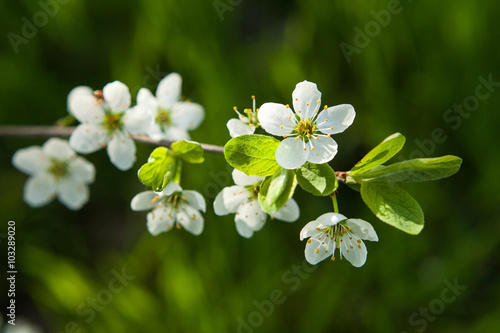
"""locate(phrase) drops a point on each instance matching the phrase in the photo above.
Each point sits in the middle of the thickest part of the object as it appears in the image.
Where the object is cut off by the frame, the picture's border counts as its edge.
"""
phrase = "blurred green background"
(402, 77)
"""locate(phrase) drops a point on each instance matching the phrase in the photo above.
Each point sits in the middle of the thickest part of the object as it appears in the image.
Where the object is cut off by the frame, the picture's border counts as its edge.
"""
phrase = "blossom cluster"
(306, 132)
(107, 120)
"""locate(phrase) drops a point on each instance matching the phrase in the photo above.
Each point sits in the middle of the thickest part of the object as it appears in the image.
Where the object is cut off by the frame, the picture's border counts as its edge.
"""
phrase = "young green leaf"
(159, 169)
(380, 154)
(417, 170)
(188, 151)
(276, 190)
(393, 205)
(253, 154)
(317, 179)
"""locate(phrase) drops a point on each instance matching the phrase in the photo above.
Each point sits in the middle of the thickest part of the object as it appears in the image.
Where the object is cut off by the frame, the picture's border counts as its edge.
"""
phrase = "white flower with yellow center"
(335, 231)
(170, 118)
(106, 121)
(242, 199)
(171, 207)
(307, 131)
(55, 170)
(246, 123)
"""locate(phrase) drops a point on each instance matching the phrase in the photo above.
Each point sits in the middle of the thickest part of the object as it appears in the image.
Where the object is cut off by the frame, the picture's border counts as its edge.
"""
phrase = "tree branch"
(48, 131)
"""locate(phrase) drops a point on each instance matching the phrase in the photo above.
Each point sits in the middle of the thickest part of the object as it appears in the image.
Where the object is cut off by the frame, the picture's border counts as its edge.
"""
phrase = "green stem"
(334, 200)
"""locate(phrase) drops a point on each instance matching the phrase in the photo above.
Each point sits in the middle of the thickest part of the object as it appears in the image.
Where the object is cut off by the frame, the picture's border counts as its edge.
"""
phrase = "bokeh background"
(403, 77)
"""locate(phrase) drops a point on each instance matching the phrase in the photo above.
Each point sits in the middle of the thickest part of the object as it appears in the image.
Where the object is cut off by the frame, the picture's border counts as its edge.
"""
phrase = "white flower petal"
(87, 138)
(121, 151)
(30, 160)
(292, 153)
(310, 230)
(190, 219)
(329, 219)
(82, 169)
(243, 229)
(306, 99)
(58, 149)
(251, 213)
(242, 179)
(229, 200)
(137, 120)
(160, 220)
(196, 200)
(169, 90)
(143, 201)
(236, 128)
(117, 96)
(170, 189)
(73, 194)
(362, 229)
(86, 108)
(290, 212)
(276, 119)
(353, 251)
(79, 91)
(145, 99)
(340, 117)
(187, 115)
(315, 251)
(324, 151)
(39, 190)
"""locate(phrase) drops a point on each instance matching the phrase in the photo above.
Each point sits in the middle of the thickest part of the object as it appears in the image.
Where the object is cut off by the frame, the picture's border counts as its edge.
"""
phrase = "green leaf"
(277, 190)
(380, 154)
(188, 151)
(253, 154)
(393, 205)
(159, 169)
(417, 170)
(317, 179)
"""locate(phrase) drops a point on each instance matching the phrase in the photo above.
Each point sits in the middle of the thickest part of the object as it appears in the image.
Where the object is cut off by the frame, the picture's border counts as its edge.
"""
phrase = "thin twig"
(48, 131)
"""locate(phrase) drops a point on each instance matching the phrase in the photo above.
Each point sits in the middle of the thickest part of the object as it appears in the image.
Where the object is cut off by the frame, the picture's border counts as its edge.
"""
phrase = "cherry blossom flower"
(335, 231)
(171, 207)
(242, 199)
(170, 118)
(307, 131)
(106, 121)
(244, 124)
(55, 170)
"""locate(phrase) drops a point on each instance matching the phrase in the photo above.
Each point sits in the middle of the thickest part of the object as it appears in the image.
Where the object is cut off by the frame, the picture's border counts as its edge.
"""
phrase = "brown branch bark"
(49, 131)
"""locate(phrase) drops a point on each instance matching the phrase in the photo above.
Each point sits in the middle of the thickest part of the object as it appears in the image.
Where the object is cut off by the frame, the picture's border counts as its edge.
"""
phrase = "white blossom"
(307, 131)
(246, 123)
(335, 231)
(242, 200)
(170, 118)
(106, 121)
(171, 207)
(55, 170)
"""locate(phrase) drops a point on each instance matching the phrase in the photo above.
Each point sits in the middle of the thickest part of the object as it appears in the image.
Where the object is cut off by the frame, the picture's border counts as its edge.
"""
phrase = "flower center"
(305, 127)
(113, 122)
(336, 233)
(250, 115)
(163, 118)
(59, 169)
